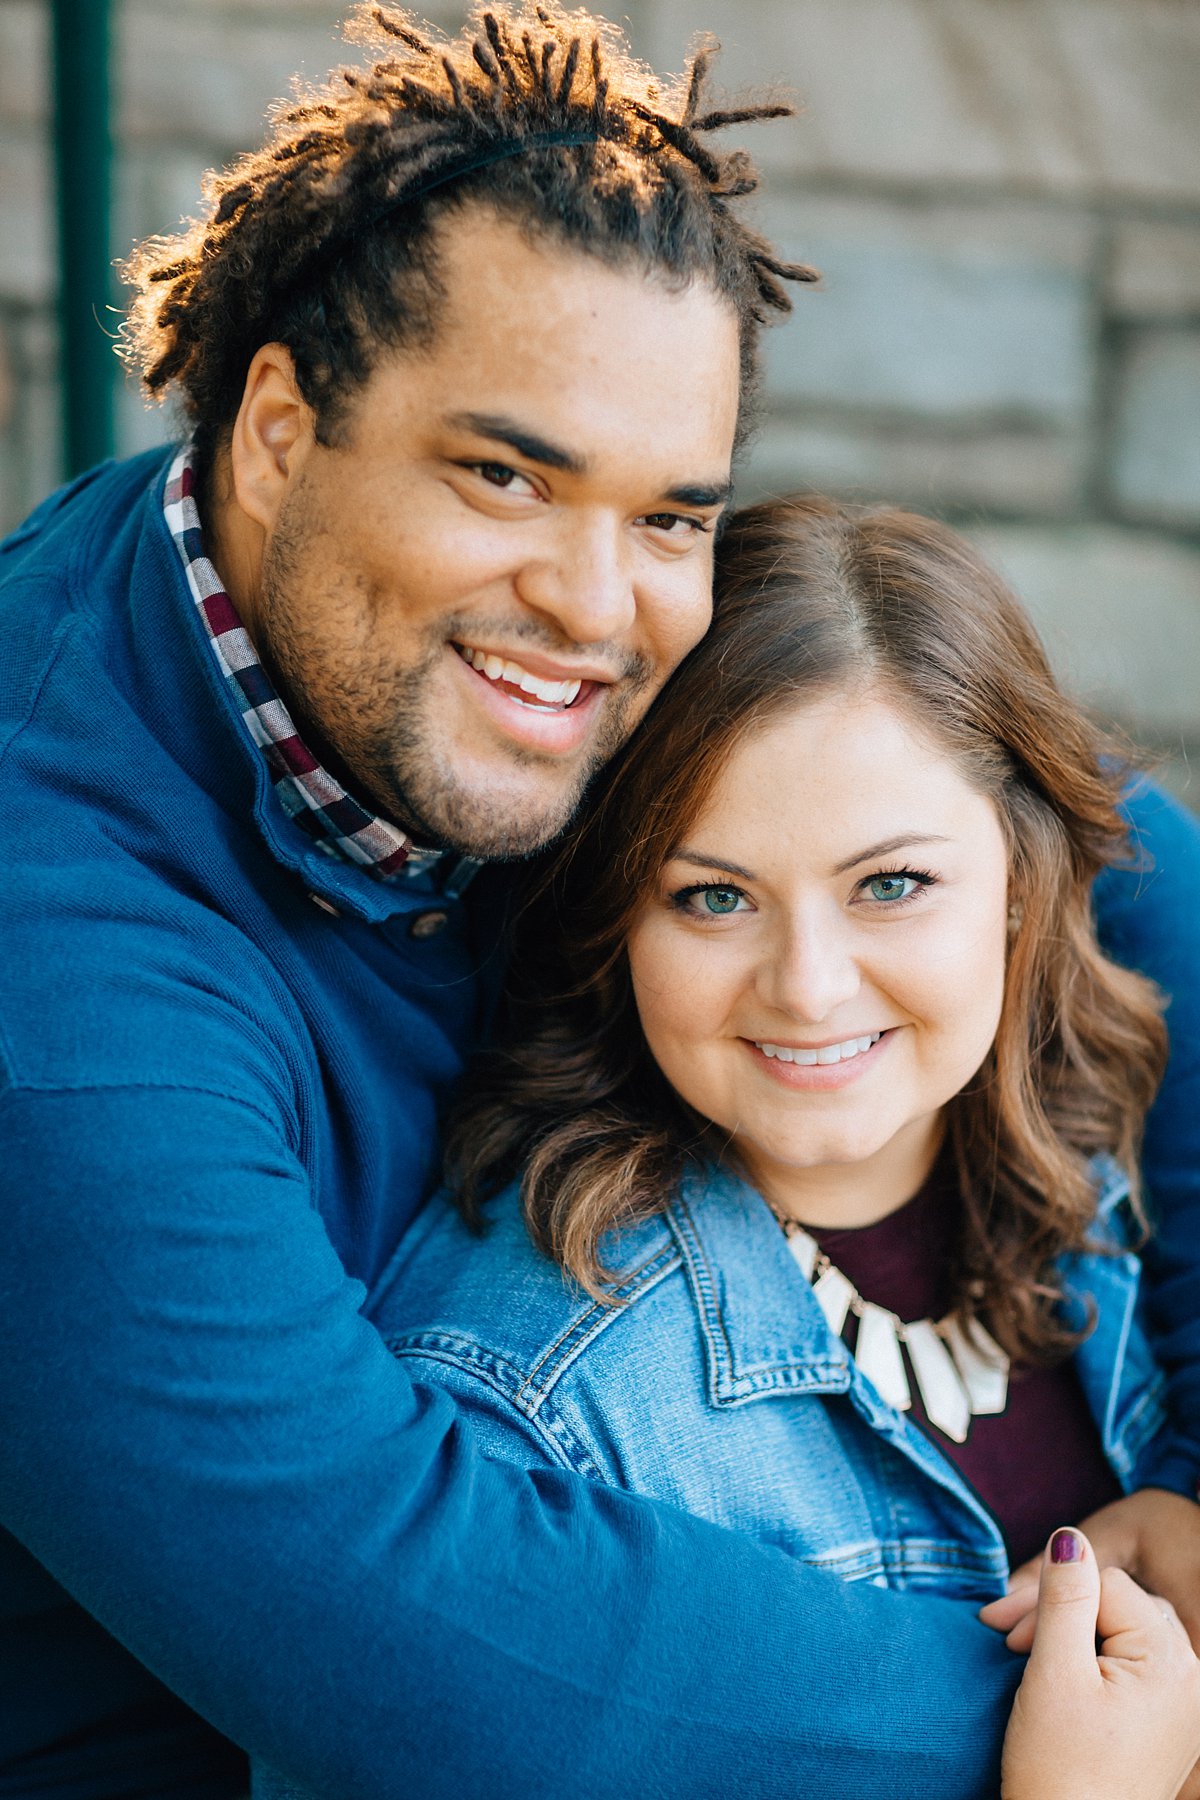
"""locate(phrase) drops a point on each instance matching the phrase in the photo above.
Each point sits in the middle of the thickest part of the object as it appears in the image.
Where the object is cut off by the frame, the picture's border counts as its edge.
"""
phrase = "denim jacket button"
(428, 924)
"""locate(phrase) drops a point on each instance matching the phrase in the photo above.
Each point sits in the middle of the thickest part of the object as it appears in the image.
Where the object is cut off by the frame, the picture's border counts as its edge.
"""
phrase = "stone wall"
(1004, 198)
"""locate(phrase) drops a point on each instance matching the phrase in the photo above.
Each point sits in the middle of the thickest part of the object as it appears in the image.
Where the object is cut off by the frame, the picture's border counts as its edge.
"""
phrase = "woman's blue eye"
(891, 887)
(710, 900)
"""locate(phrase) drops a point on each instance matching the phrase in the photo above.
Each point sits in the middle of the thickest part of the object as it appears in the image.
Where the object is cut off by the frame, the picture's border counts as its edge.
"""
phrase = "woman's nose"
(810, 970)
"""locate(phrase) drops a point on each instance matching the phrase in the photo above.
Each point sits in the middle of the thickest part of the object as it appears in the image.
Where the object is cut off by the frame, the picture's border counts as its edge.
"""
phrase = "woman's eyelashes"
(710, 899)
(894, 888)
(887, 890)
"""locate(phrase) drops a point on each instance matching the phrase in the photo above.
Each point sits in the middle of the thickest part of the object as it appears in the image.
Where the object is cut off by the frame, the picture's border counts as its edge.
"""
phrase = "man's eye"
(500, 475)
(675, 524)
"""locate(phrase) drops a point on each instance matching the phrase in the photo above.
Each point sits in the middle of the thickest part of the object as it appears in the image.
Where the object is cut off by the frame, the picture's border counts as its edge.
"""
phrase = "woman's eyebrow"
(902, 841)
(710, 862)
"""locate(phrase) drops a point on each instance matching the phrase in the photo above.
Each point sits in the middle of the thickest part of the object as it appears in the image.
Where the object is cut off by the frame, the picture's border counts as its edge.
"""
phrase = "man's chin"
(495, 827)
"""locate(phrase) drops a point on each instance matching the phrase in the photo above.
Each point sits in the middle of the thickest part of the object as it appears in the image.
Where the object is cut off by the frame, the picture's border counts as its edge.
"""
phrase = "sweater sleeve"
(203, 1440)
(1149, 919)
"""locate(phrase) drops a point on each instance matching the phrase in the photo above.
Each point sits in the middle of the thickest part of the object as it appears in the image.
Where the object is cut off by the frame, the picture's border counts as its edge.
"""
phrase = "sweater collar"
(310, 796)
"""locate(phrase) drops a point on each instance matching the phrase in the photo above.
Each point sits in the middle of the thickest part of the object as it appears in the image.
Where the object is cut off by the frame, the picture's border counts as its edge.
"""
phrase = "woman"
(817, 1144)
(827, 1003)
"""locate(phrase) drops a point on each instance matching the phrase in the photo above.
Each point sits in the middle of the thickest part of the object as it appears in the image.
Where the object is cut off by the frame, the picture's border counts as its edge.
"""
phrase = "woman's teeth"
(828, 1053)
(512, 675)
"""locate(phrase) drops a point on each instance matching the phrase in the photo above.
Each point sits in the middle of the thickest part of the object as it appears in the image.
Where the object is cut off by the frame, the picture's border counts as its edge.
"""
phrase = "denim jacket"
(688, 1390)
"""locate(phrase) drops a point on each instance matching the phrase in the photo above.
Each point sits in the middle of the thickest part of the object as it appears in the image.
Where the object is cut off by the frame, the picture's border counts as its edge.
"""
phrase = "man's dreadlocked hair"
(322, 239)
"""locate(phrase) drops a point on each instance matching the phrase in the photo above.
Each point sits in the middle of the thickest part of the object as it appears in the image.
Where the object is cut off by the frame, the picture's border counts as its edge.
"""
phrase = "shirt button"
(325, 905)
(428, 924)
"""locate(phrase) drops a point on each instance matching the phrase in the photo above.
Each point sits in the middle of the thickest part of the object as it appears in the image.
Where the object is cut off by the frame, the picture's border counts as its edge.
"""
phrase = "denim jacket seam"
(728, 1385)
(562, 1442)
(1127, 1448)
(1120, 1352)
(703, 1292)
(902, 1554)
(583, 1329)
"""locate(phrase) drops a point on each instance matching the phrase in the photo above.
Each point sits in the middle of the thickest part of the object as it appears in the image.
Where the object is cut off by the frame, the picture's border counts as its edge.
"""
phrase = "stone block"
(27, 253)
(36, 339)
(981, 314)
(1155, 269)
(1179, 773)
(1006, 472)
(157, 190)
(141, 424)
(24, 63)
(1061, 96)
(208, 72)
(208, 77)
(1119, 612)
(8, 382)
(446, 14)
(1156, 456)
(29, 447)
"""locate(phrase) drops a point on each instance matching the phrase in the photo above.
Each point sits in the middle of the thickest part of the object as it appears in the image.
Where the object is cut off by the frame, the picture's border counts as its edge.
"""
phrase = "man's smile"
(549, 711)
(521, 683)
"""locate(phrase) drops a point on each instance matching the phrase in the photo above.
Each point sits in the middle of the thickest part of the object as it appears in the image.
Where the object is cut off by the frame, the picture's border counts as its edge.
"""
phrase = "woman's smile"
(821, 1067)
(822, 966)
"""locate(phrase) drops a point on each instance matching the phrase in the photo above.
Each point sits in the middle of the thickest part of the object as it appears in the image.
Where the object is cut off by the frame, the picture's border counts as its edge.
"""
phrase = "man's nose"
(583, 581)
(811, 968)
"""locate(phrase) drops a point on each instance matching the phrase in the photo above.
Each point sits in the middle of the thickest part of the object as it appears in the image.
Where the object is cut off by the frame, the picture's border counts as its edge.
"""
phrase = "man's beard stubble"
(363, 719)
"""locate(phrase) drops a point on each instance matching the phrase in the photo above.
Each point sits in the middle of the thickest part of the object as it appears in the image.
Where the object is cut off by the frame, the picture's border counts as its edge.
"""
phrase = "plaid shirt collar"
(309, 794)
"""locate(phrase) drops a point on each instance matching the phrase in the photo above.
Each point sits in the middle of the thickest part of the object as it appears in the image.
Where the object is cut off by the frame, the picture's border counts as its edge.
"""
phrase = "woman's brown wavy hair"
(814, 596)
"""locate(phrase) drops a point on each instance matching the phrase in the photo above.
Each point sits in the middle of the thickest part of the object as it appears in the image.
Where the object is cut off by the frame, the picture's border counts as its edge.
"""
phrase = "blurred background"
(1004, 197)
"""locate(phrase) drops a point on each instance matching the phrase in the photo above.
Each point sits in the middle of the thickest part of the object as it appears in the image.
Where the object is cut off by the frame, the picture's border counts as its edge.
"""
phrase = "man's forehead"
(535, 292)
(547, 353)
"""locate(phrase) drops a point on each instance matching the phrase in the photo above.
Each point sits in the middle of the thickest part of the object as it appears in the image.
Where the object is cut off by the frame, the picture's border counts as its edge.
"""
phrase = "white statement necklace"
(959, 1377)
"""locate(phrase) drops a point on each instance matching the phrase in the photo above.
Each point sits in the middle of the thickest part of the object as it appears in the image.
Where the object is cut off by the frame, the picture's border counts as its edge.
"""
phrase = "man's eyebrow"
(901, 841)
(526, 443)
(701, 493)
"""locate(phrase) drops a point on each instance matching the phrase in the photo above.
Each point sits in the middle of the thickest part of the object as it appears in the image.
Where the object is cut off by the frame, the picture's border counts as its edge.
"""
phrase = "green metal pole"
(83, 168)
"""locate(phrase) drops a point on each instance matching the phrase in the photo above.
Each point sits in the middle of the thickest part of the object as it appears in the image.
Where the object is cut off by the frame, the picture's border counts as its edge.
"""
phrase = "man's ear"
(272, 435)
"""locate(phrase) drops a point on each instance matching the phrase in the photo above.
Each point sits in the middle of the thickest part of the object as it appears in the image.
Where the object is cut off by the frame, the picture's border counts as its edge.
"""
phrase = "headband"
(454, 171)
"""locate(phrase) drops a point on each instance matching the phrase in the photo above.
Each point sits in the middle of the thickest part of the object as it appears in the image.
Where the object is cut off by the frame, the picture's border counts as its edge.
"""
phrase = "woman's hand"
(1153, 1535)
(1123, 1724)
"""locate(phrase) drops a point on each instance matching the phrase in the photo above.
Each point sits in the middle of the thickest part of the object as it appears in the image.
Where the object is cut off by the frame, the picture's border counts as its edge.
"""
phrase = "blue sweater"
(217, 1106)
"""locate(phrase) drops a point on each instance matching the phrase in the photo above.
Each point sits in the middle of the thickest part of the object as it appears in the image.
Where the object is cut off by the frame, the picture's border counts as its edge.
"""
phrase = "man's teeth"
(548, 693)
(828, 1053)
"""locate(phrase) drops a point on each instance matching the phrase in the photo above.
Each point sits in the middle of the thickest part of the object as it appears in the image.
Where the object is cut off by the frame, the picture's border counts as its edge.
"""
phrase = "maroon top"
(1039, 1463)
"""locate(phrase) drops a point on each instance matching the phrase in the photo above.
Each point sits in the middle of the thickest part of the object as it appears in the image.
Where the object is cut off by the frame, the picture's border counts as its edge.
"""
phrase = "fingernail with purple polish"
(1066, 1546)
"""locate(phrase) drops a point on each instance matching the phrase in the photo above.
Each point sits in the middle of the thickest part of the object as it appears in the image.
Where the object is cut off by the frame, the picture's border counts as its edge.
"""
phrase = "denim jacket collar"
(763, 1328)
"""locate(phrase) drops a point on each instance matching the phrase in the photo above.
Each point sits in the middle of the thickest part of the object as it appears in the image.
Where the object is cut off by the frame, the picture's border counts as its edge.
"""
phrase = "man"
(466, 349)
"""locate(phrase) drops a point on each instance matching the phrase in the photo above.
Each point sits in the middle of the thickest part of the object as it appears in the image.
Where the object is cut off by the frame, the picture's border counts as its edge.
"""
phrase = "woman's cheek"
(962, 993)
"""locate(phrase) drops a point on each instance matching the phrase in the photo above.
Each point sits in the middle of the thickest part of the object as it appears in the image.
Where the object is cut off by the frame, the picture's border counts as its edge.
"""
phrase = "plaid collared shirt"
(308, 793)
